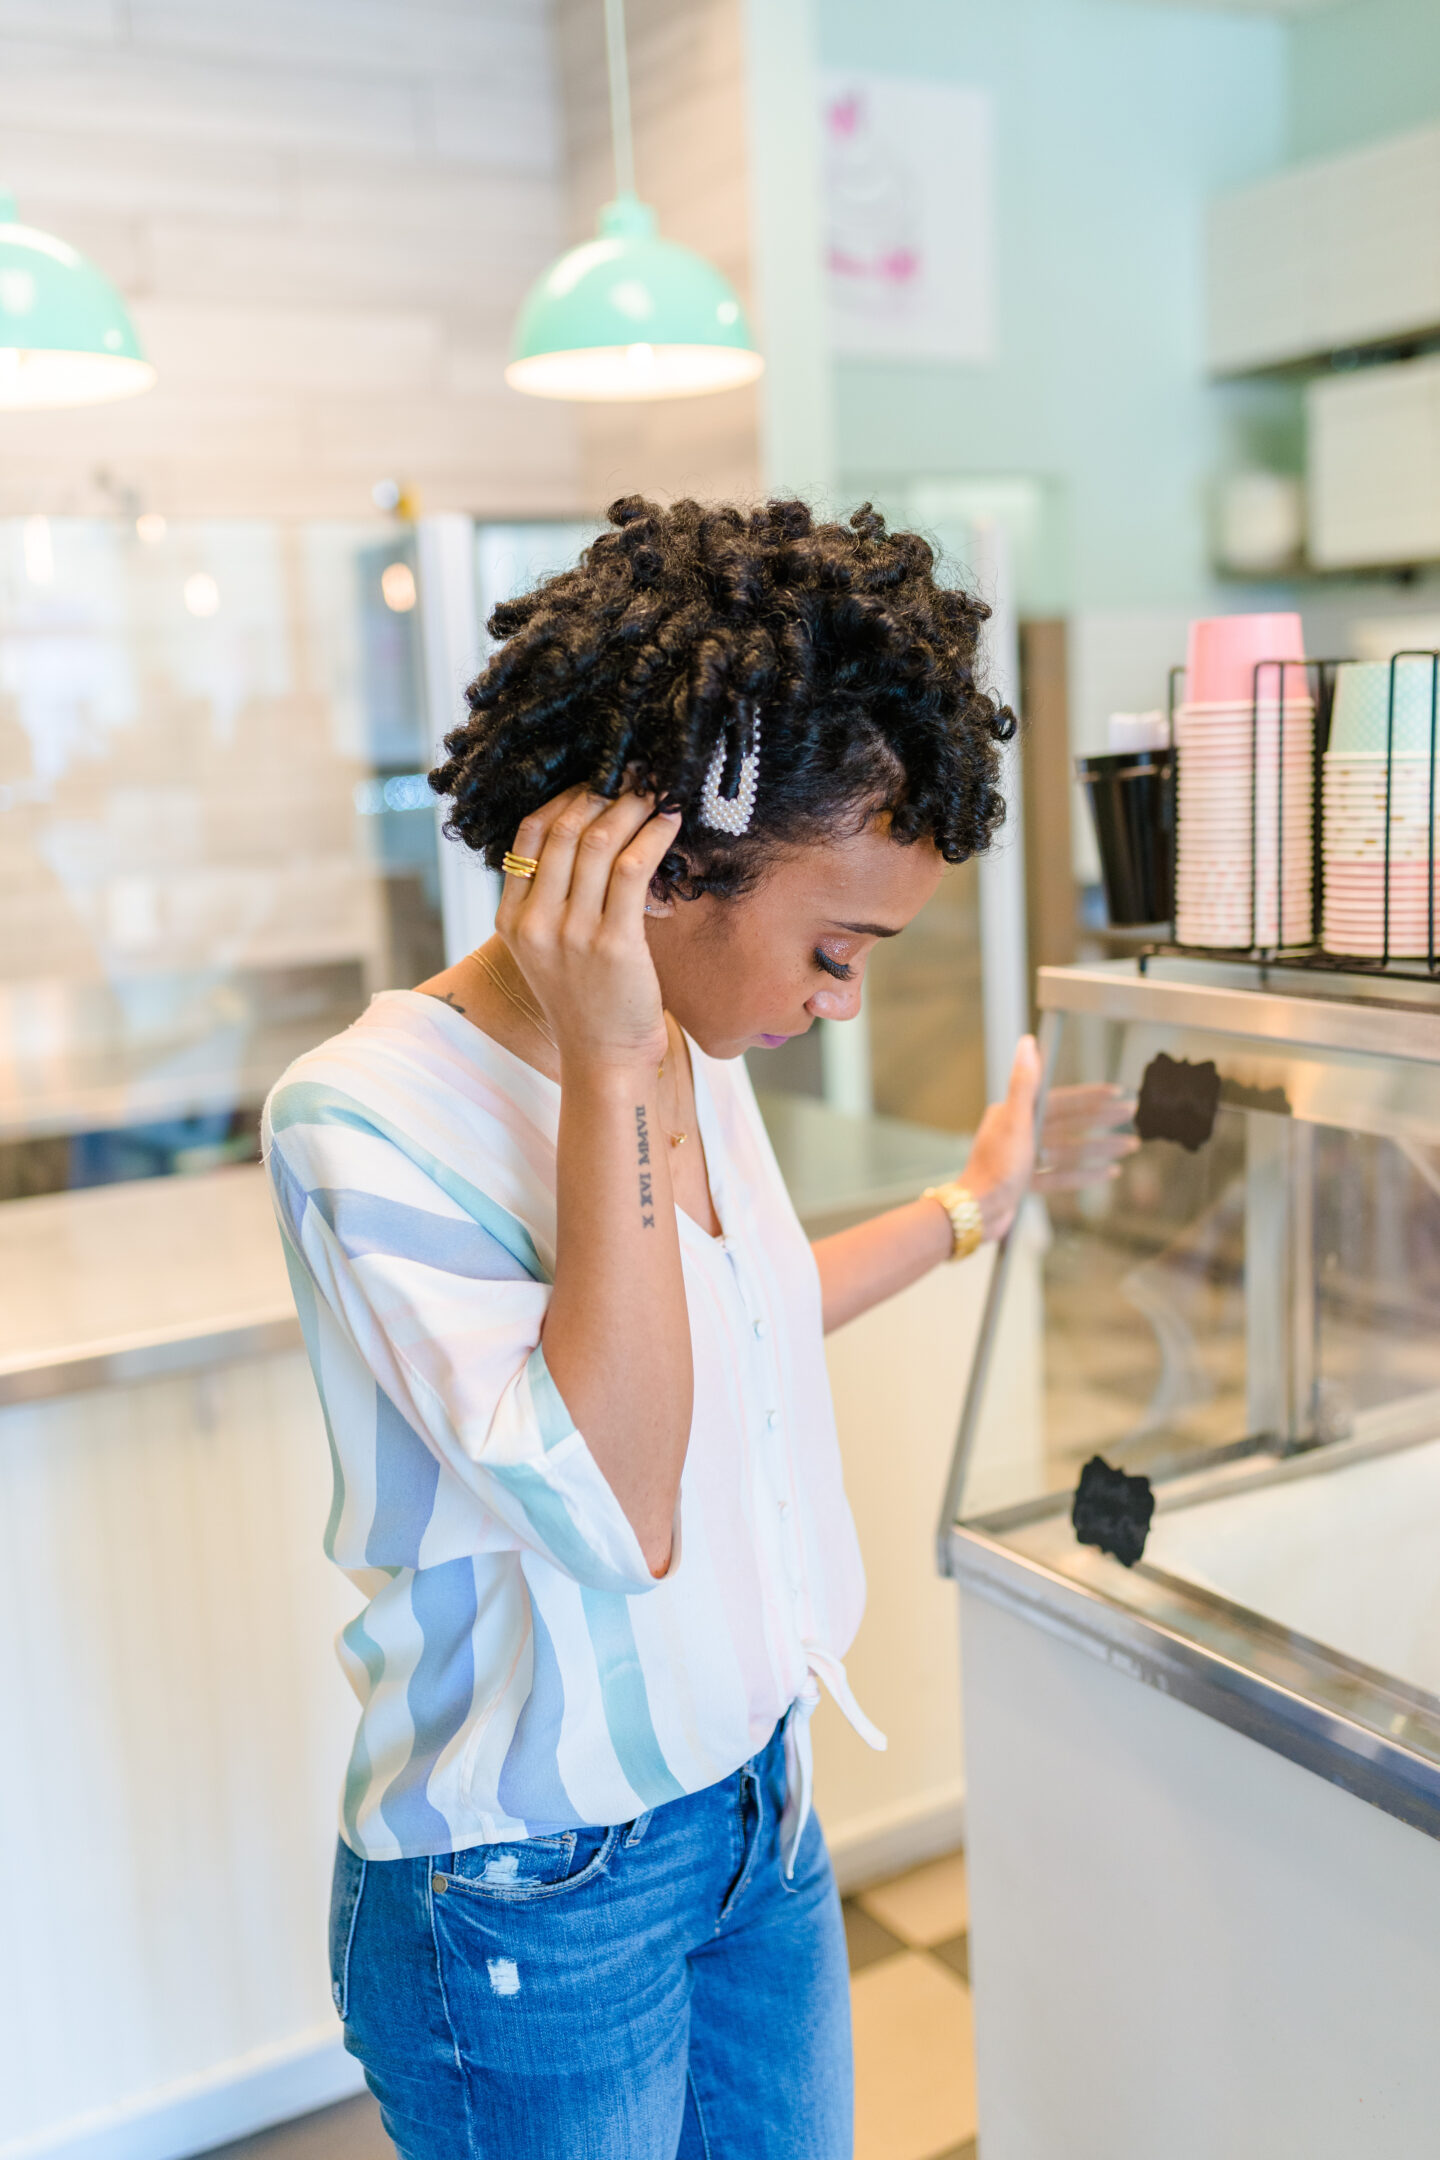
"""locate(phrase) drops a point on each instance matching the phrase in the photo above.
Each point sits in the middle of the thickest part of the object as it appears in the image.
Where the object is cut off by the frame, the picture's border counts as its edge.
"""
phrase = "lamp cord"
(619, 97)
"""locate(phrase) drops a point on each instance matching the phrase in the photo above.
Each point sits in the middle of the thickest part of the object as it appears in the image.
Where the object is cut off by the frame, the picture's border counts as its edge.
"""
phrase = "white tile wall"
(234, 97)
(503, 43)
(325, 214)
(688, 98)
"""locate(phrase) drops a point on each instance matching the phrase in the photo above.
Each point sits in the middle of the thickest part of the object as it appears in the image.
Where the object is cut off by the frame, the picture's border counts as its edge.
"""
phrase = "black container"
(1132, 802)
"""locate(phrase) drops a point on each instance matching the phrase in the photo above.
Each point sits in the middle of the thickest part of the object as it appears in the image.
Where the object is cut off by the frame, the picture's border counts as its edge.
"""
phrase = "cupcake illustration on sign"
(873, 248)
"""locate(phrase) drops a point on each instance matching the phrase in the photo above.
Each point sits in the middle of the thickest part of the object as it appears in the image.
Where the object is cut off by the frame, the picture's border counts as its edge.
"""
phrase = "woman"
(568, 1336)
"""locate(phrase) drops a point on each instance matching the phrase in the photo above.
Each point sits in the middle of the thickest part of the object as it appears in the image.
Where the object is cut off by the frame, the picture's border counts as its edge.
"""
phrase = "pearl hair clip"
(732, 814)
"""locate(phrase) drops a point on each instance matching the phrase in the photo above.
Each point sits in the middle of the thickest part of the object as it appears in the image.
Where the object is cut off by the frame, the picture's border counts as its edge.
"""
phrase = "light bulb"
(202, 594)
(397, 587)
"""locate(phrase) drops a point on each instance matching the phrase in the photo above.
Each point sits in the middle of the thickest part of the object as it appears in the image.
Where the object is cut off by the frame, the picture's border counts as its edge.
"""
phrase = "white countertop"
(105, 1283)
(159, 1274)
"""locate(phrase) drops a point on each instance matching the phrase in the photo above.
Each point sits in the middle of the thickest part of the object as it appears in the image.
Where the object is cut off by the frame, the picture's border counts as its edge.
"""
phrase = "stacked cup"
(1246, 786)
(1354, 811)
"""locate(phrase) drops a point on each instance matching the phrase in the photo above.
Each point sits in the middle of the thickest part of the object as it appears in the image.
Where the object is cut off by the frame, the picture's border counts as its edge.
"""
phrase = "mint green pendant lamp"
(66, 337)
(630, 316)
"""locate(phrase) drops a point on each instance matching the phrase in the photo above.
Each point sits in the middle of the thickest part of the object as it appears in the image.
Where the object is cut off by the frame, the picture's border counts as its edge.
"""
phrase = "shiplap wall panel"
(325, 215)
(688, 100)
(174, 1697)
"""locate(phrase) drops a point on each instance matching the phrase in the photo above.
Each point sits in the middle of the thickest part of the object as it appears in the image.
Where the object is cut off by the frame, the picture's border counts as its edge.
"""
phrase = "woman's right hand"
(616, 1333)
(577, 928)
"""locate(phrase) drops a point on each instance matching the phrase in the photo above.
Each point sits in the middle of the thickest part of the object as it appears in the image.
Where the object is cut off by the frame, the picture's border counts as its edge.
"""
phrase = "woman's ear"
(658, 902)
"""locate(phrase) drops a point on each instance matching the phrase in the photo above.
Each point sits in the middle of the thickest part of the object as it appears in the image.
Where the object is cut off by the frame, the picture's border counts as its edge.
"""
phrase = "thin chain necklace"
(525, 1005)
(533, 1013)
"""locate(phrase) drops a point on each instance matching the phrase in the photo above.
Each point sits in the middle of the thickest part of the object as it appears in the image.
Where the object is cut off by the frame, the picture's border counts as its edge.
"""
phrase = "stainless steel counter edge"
(114, 1364)
(1319, 1739)
(1261, 1006)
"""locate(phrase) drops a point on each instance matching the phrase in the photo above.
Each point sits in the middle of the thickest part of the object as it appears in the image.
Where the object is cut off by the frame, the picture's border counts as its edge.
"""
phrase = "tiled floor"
(910, 1998)
(910, 1991)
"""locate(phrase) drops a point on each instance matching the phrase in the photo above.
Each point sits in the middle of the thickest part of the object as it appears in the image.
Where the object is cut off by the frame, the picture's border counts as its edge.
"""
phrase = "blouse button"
(760, 1328)
(772, 1419)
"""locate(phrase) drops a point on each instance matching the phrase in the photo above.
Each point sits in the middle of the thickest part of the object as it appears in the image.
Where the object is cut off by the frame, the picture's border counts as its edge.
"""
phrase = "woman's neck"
(488, 989)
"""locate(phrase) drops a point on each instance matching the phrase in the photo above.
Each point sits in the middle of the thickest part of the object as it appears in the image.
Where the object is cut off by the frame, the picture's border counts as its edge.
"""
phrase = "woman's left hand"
(1081, 1144)
(1081, 1141)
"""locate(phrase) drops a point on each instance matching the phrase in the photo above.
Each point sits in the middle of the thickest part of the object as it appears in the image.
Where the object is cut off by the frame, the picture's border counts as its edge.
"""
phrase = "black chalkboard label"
(1112, 1510)
(1178, 1101)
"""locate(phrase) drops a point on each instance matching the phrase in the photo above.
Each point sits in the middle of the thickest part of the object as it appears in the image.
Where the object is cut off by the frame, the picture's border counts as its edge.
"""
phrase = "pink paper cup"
(1225, 650)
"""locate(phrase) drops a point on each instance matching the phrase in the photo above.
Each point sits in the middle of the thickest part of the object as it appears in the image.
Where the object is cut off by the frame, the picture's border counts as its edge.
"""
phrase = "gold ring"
(522, 866)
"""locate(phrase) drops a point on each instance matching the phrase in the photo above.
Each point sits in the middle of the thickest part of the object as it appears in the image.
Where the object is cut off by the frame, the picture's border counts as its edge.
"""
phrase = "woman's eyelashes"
(840, 969)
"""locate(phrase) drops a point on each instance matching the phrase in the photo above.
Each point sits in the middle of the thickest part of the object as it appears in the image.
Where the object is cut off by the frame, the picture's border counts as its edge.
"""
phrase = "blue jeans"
(654, 1991)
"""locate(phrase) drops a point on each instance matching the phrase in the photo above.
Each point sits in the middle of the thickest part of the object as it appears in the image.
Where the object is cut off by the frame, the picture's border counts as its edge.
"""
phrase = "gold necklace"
(676, 1139)
(533, 1013)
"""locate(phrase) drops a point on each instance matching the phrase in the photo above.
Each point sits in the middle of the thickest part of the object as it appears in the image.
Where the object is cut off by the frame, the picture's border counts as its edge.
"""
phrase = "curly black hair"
(629, 669)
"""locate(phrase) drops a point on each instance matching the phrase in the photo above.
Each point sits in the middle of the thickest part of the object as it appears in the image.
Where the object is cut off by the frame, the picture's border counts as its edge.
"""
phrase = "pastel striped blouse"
(519, 1671)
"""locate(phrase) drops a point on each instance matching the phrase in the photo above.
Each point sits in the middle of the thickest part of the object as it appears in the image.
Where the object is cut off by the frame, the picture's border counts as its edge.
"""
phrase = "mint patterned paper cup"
(1362, 700)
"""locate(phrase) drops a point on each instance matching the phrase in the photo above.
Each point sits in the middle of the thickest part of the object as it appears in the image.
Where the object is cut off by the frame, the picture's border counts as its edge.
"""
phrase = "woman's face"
(751, 972)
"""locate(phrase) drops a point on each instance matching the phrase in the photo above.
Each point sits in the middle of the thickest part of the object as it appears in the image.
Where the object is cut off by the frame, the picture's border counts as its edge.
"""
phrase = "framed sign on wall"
(909, 217)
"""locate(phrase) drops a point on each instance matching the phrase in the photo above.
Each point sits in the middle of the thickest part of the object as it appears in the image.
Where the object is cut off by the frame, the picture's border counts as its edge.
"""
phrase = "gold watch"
(967, 1225)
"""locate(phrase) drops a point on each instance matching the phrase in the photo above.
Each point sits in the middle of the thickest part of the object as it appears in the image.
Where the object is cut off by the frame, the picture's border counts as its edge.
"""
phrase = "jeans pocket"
(537, 1867)
(346, 1885)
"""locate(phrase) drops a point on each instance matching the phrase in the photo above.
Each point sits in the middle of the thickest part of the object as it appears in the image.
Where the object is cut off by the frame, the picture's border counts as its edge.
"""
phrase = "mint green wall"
(1114, 122)
(1362, 70)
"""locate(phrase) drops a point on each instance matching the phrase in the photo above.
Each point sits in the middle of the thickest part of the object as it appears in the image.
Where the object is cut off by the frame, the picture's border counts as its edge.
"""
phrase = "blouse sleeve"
(440, 1294)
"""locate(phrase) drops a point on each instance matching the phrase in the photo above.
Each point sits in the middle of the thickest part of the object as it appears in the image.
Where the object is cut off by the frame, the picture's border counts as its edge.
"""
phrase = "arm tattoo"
(446, 997)
(647, 1194)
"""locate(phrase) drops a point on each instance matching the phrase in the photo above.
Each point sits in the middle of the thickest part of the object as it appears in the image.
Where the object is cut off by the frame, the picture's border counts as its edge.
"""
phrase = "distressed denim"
(652, 1991)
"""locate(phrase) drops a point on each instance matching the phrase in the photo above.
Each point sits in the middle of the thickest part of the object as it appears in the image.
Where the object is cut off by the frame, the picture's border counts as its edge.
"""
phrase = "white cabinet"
(1374, 466)
(176, 1728)
(1376, 265)
(898, 1376)
(1183, 1944)
(1258, 292)
(1324, 257)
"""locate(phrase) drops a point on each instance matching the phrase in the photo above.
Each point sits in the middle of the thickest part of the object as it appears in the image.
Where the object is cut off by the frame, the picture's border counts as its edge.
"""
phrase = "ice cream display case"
(1201, 1588)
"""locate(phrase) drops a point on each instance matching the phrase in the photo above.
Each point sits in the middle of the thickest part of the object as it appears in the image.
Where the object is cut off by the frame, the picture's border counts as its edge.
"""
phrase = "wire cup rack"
(1275, 676)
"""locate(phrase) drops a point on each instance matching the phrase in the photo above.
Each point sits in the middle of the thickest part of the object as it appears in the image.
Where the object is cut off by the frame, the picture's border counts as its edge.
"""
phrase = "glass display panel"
(1241, 1326)
(1259, 1280)
(215, 836)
